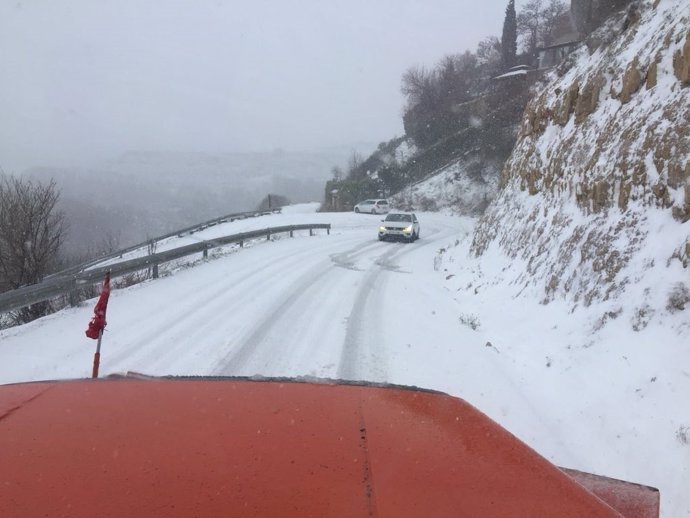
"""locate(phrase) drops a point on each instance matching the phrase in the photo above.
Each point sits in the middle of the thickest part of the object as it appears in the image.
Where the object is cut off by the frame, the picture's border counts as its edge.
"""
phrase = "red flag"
(98, 322)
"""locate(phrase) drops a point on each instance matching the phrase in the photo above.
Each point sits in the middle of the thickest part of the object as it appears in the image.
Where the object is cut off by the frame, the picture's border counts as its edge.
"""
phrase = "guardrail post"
(205, 253)
(73, 294)
(241, 244)
(311, 231)
(155, 271)
(292, 233)
(268, 236)
(328, 231)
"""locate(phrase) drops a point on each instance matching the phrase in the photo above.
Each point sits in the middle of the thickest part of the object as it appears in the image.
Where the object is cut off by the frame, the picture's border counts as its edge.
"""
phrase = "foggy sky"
(85, 80)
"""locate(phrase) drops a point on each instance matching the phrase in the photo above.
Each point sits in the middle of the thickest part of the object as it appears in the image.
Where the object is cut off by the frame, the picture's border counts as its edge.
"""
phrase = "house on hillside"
(516, 74)
(516, 80)
(566, 38)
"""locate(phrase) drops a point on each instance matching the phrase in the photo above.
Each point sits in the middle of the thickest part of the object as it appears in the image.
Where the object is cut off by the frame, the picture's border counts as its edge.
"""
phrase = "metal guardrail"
(179, 233)
(68, 283)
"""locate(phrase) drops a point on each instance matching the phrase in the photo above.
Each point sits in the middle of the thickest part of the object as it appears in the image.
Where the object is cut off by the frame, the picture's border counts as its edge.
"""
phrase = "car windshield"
(183, 188)
(399, 217)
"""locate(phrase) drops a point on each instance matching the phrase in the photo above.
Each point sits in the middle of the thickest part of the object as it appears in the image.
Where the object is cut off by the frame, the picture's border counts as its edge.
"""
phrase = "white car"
(399, 225)
(373, 207)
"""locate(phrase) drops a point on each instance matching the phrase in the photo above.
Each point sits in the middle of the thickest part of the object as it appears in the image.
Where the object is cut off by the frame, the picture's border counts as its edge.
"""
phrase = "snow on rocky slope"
(595, 196)
(465, 186)
(582, 261)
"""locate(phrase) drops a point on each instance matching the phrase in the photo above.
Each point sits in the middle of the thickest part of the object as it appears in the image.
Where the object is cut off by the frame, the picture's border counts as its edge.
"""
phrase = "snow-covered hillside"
(595, 196)
(579, 270)
(465, 186)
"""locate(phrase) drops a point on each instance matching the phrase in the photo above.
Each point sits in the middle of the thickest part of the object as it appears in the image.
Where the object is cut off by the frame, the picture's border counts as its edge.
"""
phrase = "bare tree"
(31, 232)
(550, 14)
(528, 22)
(337, 173)
(417, 85)
(354, 165)
(536, 21)
(489, 51)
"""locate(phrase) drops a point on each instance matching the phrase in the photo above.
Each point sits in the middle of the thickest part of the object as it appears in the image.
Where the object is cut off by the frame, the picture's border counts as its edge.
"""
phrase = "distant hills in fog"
(142, 194)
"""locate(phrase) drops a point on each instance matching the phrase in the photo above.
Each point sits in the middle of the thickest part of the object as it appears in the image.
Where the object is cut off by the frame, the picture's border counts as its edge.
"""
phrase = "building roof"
(514, 73)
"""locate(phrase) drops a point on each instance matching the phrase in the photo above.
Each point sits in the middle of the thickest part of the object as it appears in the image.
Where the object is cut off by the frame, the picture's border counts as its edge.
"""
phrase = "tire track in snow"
(353, 352)
(218, 298)
(357, 360)
(185, 335)
(207, 298)
(314, 342)
(251, 344)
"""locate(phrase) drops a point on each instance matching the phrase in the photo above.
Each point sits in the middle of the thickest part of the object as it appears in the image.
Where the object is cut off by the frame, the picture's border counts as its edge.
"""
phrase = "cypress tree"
(509, 37)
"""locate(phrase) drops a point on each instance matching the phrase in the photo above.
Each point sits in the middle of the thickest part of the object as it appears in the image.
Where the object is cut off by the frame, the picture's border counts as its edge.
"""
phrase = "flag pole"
(97, 356)
(98, 323)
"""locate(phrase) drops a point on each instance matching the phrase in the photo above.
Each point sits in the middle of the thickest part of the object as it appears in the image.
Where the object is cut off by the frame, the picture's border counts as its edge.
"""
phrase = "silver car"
(399, 225)
(373, 206)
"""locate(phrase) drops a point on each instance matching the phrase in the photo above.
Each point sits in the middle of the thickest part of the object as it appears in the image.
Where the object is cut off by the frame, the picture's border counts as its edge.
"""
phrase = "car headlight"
(382, 229)
(408, 229)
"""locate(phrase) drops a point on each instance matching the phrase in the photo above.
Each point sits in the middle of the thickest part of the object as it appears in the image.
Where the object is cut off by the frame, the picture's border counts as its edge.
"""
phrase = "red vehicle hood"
(241, 447)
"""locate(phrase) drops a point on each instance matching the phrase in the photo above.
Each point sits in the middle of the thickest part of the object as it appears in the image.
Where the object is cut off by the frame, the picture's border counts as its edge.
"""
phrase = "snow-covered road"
(335, 314)
(600, 398)
(342, 305)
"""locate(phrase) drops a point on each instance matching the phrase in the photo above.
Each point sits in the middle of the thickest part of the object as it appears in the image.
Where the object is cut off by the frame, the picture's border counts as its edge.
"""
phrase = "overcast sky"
(85, 80)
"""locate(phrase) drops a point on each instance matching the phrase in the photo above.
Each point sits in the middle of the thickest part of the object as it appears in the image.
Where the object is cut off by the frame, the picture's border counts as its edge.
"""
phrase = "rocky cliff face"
(596, 194)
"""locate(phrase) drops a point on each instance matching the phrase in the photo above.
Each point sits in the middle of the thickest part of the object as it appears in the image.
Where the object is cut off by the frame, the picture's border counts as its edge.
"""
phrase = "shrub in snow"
(678, 297)
(641, 317)
(427, 204)
(604, 319)
(471, 321)
(438, 261)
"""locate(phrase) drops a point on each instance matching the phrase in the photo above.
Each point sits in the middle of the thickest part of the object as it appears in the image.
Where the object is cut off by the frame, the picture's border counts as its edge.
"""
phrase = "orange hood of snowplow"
(174, 447)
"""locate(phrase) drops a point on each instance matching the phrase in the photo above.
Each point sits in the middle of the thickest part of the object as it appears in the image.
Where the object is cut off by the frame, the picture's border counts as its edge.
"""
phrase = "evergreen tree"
(509, 38)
